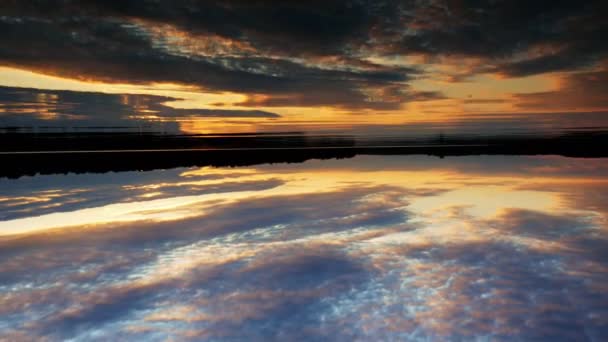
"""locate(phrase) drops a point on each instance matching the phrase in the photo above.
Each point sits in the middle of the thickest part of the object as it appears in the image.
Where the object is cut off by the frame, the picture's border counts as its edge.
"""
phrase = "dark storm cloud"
(112, 50)
(322, 27)
(282, 48)
(559, 35)
(115, 50)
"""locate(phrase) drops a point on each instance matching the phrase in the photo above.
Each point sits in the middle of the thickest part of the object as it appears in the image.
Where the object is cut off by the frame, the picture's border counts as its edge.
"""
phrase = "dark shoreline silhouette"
(32, 154)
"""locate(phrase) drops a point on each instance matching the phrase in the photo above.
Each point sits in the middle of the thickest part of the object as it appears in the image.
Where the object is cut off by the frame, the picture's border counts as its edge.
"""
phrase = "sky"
(315, 66)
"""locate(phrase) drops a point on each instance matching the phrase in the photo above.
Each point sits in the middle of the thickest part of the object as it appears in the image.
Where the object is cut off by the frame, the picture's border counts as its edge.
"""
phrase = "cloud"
(299, 54)
(577, 91)
(23, 107)
(321, 26)
(117, 50)
(514, 38)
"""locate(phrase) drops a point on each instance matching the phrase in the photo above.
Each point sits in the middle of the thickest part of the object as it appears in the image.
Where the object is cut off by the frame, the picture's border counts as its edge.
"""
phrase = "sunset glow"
(420, 65)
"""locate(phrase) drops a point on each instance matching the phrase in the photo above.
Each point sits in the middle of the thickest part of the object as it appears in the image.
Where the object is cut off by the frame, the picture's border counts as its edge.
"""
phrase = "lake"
(366, 248)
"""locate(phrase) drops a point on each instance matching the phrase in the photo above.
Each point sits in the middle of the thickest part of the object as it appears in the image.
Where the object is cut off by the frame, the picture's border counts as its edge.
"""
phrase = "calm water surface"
(369, 248)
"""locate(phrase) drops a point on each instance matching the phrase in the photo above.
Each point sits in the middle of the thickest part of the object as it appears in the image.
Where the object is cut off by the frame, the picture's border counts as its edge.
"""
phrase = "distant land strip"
(106, 153)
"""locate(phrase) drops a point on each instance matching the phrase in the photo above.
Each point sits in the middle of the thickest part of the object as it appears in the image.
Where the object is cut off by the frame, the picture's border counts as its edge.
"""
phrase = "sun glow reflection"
(483, 200)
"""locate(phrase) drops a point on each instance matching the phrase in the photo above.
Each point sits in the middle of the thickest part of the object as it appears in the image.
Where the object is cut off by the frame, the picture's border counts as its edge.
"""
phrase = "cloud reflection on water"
(460, 248)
